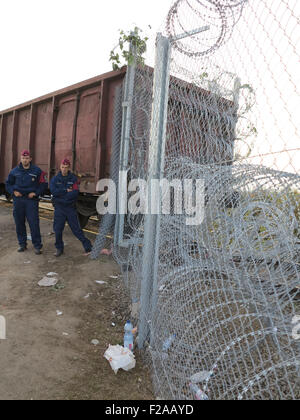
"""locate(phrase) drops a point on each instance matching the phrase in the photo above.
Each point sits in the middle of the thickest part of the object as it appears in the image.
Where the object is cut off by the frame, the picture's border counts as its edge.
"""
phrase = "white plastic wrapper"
(120, 358)
(48, 282)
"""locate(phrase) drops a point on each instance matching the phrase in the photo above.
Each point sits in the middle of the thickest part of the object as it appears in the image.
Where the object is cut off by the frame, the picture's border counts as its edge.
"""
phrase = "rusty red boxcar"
(77, 123)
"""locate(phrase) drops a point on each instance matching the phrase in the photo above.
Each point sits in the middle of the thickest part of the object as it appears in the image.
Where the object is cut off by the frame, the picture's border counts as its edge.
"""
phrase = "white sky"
(48, 45)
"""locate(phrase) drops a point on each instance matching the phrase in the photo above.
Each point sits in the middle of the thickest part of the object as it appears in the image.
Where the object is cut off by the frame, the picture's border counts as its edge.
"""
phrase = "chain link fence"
(217, 301)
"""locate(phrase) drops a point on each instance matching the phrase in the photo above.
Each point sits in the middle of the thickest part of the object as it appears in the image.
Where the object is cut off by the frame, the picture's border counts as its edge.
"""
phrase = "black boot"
(22, 248)
(59, 252)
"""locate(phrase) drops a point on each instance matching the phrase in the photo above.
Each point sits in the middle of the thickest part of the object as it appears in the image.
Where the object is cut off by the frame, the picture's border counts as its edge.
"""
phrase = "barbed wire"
(220, 310)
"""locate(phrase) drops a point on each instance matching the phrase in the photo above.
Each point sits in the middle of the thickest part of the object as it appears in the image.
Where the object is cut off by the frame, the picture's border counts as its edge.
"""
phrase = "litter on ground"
(120, 358)
(48, 282)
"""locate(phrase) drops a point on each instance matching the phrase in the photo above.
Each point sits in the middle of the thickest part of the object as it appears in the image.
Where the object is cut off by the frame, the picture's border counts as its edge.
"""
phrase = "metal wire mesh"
(258, 49)
(107, 223)
(229, 289)
(221, 306)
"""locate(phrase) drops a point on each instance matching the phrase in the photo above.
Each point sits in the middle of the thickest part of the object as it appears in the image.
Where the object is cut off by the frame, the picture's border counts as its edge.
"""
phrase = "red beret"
(25, 153)
(66, 162)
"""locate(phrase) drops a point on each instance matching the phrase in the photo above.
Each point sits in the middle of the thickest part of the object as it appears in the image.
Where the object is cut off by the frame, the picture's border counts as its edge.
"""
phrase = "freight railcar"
(77, 122)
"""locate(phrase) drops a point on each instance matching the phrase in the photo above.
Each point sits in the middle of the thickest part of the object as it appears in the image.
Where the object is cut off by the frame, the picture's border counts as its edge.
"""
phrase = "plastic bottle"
(128, 336)
(167, 344)
(199, 395)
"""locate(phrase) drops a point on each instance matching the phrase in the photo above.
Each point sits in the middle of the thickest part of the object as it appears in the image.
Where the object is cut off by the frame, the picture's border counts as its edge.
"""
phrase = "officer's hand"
(17, 194)
(69, 190)
(31, 195)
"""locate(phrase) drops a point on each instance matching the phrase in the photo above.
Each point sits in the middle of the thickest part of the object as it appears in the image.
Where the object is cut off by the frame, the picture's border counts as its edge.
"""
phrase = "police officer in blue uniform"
(26, 183)
(64, 188)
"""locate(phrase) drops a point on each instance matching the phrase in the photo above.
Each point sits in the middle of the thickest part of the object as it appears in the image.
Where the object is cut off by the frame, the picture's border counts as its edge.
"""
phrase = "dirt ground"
(50, 357)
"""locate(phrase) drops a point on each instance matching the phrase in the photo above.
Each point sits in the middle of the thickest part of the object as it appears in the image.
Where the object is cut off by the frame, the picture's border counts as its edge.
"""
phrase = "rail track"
(46, 213)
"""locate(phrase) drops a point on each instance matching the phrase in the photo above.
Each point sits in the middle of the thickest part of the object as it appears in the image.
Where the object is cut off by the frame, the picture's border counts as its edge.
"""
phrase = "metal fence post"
(156, 168)
(124, 151)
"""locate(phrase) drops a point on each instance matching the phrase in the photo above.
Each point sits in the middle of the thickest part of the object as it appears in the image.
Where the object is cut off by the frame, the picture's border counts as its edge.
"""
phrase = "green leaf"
(247, 87)
(137, 41)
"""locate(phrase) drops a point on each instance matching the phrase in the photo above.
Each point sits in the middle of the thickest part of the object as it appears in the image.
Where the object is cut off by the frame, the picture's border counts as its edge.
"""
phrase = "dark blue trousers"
(25, 208)
(63, 214)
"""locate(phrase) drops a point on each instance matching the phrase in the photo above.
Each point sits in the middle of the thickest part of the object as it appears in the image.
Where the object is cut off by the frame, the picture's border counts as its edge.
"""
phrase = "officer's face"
(25, 160)
(64, 169)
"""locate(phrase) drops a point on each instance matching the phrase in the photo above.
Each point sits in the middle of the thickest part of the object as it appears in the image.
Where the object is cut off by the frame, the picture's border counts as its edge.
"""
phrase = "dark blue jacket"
(59, 186)
(26, 181)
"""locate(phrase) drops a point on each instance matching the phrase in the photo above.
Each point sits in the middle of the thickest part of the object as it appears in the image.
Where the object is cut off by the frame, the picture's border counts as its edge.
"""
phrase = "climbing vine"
(131, 47)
